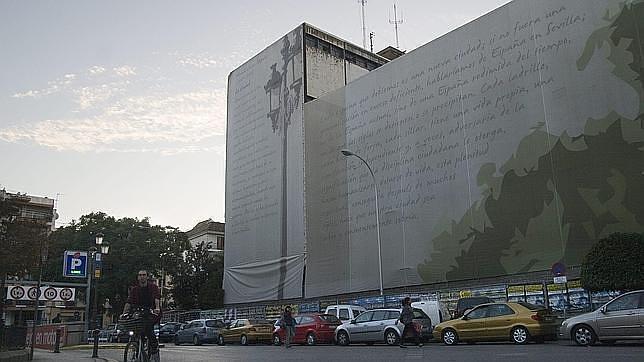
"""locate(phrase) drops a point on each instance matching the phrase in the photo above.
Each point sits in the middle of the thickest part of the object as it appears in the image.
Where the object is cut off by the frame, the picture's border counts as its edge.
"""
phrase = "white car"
(345, 312)
(435, 310)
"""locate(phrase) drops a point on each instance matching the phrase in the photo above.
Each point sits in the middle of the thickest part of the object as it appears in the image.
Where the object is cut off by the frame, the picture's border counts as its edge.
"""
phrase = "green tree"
(614, 263)
(134, 245)
(198, 280)
(22, 242)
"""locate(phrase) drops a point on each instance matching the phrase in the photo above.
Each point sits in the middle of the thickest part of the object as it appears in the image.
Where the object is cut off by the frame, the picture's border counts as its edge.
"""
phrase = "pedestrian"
(407, 318)
(288, 323)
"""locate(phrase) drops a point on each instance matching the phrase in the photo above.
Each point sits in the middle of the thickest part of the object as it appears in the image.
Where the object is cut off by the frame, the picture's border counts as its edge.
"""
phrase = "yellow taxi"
(518, 322)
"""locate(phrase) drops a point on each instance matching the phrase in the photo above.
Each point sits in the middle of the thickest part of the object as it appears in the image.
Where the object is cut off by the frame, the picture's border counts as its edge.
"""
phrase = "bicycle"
(137, 347)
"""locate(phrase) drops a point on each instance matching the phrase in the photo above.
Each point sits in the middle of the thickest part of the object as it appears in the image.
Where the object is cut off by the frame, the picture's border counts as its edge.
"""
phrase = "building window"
(220, 242)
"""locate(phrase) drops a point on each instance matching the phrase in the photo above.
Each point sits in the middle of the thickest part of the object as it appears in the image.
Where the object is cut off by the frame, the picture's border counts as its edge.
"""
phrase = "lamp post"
(95, 253)
(348, 153)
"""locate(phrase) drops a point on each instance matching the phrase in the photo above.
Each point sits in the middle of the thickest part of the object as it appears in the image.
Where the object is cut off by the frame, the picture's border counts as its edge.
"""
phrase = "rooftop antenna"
(371, 35)
(396, 22)
(364, 25)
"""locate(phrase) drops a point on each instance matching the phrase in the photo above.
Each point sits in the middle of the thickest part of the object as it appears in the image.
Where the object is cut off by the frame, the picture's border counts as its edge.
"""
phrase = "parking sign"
(75, 264)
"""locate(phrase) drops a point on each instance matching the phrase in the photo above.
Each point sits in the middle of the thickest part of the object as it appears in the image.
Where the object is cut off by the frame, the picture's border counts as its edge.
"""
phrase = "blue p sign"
(75, 264)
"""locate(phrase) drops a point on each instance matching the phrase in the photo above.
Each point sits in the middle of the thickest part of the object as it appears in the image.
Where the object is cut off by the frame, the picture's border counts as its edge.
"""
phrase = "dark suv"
(466, 303)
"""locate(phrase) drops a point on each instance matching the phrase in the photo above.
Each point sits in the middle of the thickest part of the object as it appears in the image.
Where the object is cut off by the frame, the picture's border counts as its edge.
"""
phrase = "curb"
(91, 346)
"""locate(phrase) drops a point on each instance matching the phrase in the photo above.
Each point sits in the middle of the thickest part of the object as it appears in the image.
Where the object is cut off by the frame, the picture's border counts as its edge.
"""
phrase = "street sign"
(47, 293)
(560, 279)
(75, 264)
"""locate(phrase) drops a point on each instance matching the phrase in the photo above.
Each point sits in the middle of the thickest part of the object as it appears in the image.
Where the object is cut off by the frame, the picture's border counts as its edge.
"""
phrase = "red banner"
(46, 336)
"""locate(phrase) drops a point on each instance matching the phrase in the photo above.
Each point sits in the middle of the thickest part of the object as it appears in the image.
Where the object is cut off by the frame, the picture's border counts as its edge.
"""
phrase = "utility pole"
(364, 25)
(396, 22)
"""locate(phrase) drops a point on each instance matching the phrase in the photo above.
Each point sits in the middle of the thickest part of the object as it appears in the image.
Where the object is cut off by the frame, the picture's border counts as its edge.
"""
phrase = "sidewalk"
(68, 356)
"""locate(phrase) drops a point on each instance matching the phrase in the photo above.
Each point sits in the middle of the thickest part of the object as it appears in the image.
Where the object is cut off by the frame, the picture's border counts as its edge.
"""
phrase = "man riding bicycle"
(145, 295)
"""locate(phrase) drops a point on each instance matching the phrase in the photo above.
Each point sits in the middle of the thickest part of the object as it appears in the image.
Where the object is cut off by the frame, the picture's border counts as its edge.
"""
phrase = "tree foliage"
(197, 283)
(615, 263)
(20, 240)
(134, 245)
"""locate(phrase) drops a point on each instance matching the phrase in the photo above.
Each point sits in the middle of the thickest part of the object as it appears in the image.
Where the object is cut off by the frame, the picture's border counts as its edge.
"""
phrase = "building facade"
(499, 149)
(209, 232)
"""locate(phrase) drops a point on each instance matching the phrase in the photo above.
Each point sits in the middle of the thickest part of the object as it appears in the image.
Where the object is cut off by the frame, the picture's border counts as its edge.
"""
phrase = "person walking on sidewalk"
(407, 318)
(288, 323)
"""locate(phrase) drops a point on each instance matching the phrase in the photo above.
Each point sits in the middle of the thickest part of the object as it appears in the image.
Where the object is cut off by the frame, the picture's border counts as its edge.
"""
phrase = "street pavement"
(561, 351)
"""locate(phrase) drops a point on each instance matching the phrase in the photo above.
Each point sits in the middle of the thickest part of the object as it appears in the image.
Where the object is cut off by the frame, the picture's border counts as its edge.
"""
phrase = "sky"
(120, 106)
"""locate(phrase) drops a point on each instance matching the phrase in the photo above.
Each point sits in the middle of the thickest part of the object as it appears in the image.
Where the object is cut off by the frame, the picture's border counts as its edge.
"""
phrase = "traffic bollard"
(57, 345)
(95, 333)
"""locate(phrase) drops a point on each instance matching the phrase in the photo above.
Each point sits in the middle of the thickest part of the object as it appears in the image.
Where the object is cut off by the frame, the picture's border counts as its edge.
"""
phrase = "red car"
(310, 329)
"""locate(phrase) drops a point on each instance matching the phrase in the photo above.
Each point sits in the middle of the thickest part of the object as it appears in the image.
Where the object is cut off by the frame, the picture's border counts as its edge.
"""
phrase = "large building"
(210, 233)
(499, 149)
(33, 207)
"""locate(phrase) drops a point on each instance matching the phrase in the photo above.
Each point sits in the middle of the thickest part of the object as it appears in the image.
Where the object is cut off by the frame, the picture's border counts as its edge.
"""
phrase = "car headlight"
(131, 333)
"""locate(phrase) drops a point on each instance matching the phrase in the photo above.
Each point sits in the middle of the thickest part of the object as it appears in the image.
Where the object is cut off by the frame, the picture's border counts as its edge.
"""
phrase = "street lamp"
(99, 248)
(348, 153)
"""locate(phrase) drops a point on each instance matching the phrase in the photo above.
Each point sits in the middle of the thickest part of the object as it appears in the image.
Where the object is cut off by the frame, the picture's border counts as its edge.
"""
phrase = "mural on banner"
(264, 175)
(511, 143)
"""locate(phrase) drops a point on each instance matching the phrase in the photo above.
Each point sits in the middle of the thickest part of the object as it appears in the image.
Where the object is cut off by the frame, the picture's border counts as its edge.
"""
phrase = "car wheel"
(520, 335)
(584, 335)
(343, 338)
(311, 340)
(391, 337)
(276, 339)
(176, 341)
(220, 340)
(196, 341)
(450, 337)
(243, 340)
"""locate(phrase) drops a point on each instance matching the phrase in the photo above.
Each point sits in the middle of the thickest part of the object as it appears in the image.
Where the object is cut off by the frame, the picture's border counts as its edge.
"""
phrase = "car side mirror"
(464, 318)
(603, 310)
(353, 321)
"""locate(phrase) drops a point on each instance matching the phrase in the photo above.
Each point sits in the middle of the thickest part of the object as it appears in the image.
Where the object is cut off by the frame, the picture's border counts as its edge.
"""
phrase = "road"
(555, 351)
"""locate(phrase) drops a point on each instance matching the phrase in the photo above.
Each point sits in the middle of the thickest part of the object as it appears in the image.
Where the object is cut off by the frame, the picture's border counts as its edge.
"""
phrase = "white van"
(345, 312)
(434, 309)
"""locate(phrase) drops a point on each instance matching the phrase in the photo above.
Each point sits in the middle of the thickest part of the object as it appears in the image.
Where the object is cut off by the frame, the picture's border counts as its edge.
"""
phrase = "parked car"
(345, 312)
(620, 319)
(379, 325)
(168, 331)
(247, 331)
(199, 331)
(310, 329)
(102, 336)
(434, 309)
(116, 334)
(519, 322)
(466, 303)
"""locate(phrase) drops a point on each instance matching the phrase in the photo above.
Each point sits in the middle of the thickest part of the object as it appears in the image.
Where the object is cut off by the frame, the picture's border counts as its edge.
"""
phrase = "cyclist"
(145, 295)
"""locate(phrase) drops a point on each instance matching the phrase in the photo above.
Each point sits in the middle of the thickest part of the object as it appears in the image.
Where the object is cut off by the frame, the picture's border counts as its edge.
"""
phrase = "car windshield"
(330, 318)
(215, 324)
(168, 327)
